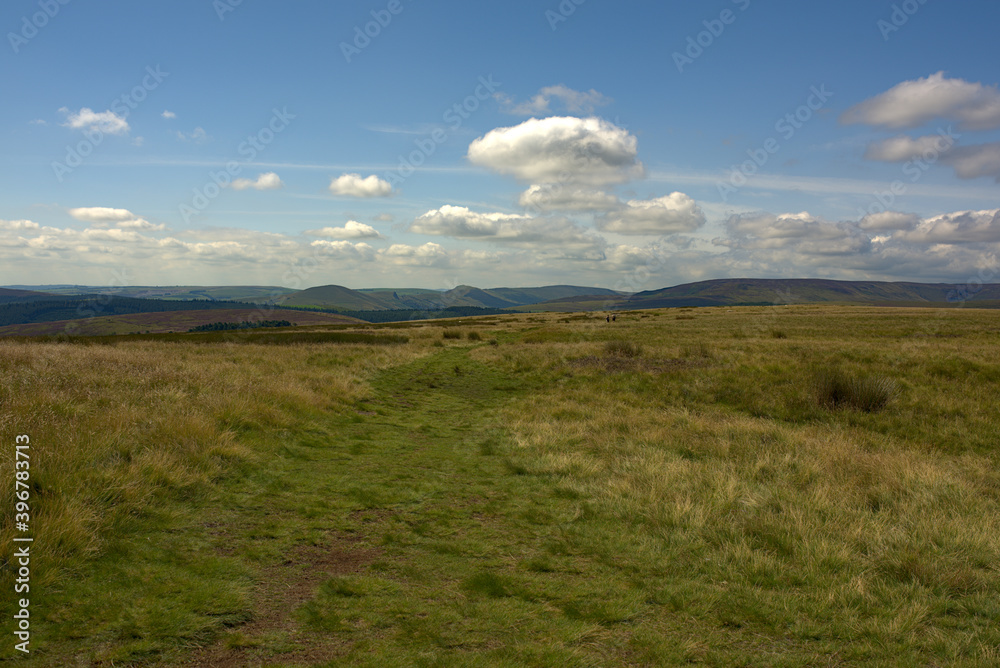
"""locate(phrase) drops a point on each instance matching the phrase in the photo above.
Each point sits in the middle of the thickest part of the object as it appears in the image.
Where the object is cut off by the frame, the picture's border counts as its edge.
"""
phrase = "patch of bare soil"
(282, 590)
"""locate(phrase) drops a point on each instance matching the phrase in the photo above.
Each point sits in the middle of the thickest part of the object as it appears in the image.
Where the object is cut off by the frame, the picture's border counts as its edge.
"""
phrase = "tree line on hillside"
(402, 315)
(224, 326)
(398, 315)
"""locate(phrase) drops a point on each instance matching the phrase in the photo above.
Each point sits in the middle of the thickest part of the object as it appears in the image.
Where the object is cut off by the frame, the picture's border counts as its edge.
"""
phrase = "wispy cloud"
(561, 96)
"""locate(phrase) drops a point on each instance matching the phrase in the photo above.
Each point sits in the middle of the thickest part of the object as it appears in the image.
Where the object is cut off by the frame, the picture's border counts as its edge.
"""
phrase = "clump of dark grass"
(685, 317)
(836, 389)
(474, 336)
(487, 584)
(620, 348)
(779, 334)
(452, 334)
(699, 351)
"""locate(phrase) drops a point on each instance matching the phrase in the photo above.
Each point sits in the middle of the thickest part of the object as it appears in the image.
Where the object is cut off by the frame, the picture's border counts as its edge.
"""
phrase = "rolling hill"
(242, 293)
(339, 297)
(168, 321)
(9, 296)
(745, 291)
(767, 292)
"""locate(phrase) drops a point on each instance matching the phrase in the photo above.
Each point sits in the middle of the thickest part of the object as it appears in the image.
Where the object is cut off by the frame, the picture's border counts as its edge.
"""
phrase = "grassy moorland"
(799, 486)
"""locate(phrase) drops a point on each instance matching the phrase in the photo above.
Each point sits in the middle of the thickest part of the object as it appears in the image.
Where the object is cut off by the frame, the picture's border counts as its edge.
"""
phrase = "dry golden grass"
(113, 427)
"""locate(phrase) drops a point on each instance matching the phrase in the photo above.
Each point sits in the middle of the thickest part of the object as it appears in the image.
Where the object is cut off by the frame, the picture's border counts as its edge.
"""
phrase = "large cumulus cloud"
(585, 151)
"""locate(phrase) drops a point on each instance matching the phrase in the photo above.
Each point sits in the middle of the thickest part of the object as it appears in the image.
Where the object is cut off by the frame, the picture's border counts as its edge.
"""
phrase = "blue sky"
(631, 145)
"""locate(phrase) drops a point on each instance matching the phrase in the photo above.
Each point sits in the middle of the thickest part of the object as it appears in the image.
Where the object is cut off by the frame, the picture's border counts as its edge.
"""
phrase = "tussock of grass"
(451, 334)
(836, 389)
(621, 348)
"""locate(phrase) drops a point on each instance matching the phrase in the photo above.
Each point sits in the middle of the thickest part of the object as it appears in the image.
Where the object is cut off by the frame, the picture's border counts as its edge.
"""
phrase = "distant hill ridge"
(339, 297)
(746, 291)
(716, 292)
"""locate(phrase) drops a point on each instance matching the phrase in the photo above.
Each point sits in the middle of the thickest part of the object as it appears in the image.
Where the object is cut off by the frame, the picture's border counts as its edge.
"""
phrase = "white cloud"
(574, 101)
(353, 185)
(585, 151)
(623, 258)
(800, 233)
(669, 214)
(18, 225)
(507, 229)
(113, 234)
(351, 230)
(168, 114)
(963, 227)
(902, 148)
(266, 181)
(557, 198)
(971, 162)
(462, 223)
(889, 220)
(427, 255)
(384, 218)
(140, 224)
(106, 122)
(911, 104)
(102, 215)
(345, 250)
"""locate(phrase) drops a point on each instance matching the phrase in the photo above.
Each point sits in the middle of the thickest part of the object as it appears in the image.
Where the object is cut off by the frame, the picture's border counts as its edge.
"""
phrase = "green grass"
(516, 504)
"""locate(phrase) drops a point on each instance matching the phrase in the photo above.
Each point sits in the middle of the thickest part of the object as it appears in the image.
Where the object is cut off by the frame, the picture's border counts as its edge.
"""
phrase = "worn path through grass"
(384, 537)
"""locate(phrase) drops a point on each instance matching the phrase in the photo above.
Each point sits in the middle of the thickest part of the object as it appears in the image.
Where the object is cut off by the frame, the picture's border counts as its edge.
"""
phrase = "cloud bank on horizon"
(900, 184)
